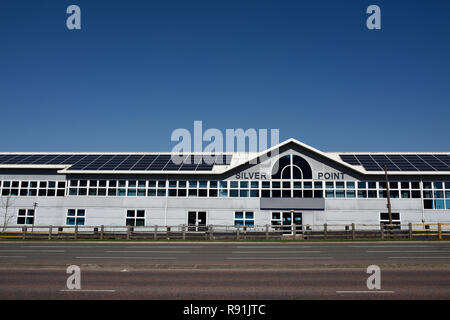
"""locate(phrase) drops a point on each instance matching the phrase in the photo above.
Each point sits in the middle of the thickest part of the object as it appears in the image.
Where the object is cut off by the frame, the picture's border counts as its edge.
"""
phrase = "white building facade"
(291, 183)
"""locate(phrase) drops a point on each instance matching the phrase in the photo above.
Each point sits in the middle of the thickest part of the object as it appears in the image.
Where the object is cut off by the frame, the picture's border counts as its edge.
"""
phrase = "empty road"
(233, 270)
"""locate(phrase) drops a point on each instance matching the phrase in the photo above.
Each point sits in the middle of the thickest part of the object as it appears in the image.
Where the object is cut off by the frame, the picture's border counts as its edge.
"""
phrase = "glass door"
(297, 221)
(287, 220)
(197, 220)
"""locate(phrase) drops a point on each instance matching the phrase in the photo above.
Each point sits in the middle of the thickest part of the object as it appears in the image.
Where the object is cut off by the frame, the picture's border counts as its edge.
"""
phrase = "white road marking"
(150, 246)
(271, 247)
(151, 258)
(279, 258)
(260, 251)
(419, 257)
(368, 291)
(389, 246)
(86, 290)
(65, 246)
(393, 251)
(33, 251)
(148, 251)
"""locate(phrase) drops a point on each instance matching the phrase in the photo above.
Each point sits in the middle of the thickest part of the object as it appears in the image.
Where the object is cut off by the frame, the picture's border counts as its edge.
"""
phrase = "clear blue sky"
(140, 69)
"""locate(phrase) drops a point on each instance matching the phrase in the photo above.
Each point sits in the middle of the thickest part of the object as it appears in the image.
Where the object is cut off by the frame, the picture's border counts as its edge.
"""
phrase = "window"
(384, 219)
(276, 219)
(291, 167)
(435, 197)
(30, 188)
(135, 218)
(244, 218)
(76, 217)
(25, 216)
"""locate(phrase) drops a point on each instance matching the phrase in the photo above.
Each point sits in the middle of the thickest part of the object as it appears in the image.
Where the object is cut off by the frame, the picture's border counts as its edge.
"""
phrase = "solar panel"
(144, 162)
(121, 162)
(399, 162)
(73, 159)
(383, 162)
(45, 159)
(97, 163)
(113, 162)
(59, 159)
(350, 159)
(15, 159)
(444, 158)
(83, 162)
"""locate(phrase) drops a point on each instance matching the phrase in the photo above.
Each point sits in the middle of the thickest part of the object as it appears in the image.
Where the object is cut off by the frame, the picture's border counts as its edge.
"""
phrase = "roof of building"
(201, 163)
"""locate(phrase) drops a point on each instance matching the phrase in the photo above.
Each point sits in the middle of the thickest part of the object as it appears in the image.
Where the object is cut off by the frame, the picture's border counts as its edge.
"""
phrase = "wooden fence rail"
(438, 231)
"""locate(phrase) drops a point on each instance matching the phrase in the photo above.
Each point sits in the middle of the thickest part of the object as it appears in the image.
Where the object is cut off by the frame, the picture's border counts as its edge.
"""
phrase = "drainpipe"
(421, 200)
(167, 198)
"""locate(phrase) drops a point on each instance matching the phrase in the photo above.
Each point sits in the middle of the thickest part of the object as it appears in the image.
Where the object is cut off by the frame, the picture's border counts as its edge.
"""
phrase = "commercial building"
(289, 183)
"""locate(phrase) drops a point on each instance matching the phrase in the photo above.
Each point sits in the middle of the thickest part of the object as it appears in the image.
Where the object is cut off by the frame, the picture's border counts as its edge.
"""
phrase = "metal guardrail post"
(50, 231)
(24, 229)
(382, 231)
(294, 230)
(237, 233)
(211, 236)
(439, 231)
(267, 232)
(353, 231)
(102, 232)
(155, 233)
(128, 232)
(76, 232)
(183, 230)
(325, 231)
(410, 231)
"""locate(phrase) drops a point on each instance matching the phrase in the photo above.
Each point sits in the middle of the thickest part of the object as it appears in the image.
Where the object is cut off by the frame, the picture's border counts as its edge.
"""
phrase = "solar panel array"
(122, 162)
(399, 162)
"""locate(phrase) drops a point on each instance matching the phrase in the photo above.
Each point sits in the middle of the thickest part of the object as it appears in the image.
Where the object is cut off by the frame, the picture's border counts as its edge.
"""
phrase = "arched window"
(291, 167)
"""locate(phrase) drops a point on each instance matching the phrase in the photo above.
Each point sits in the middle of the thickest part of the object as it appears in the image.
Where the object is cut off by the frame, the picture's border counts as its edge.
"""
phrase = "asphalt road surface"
(235, 270)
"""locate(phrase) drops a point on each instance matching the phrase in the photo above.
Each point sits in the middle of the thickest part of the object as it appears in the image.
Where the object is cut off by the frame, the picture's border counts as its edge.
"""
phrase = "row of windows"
(134, 218)
(274, 189)
(33, 188)
(435, 193)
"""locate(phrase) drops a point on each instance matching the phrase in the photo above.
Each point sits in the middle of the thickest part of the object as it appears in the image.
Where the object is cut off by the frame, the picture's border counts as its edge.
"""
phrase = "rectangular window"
(339, 185)
(276, 219)
(372, 193)
(244, 218)
(384, 219)
(76, 217)
(135, 218)
(350, 185)
(25, 216)
(223, 192)
(340, 194)
(351, 194)
(362, 194)
(439, 204)
(372, 185)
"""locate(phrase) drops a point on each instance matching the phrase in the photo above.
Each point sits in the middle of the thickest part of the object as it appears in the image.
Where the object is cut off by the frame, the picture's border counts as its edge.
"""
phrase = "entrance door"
(290, 218)
(197, 220)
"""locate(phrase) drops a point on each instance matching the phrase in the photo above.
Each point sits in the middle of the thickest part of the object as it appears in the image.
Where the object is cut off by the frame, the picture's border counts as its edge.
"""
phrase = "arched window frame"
(289, 192)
